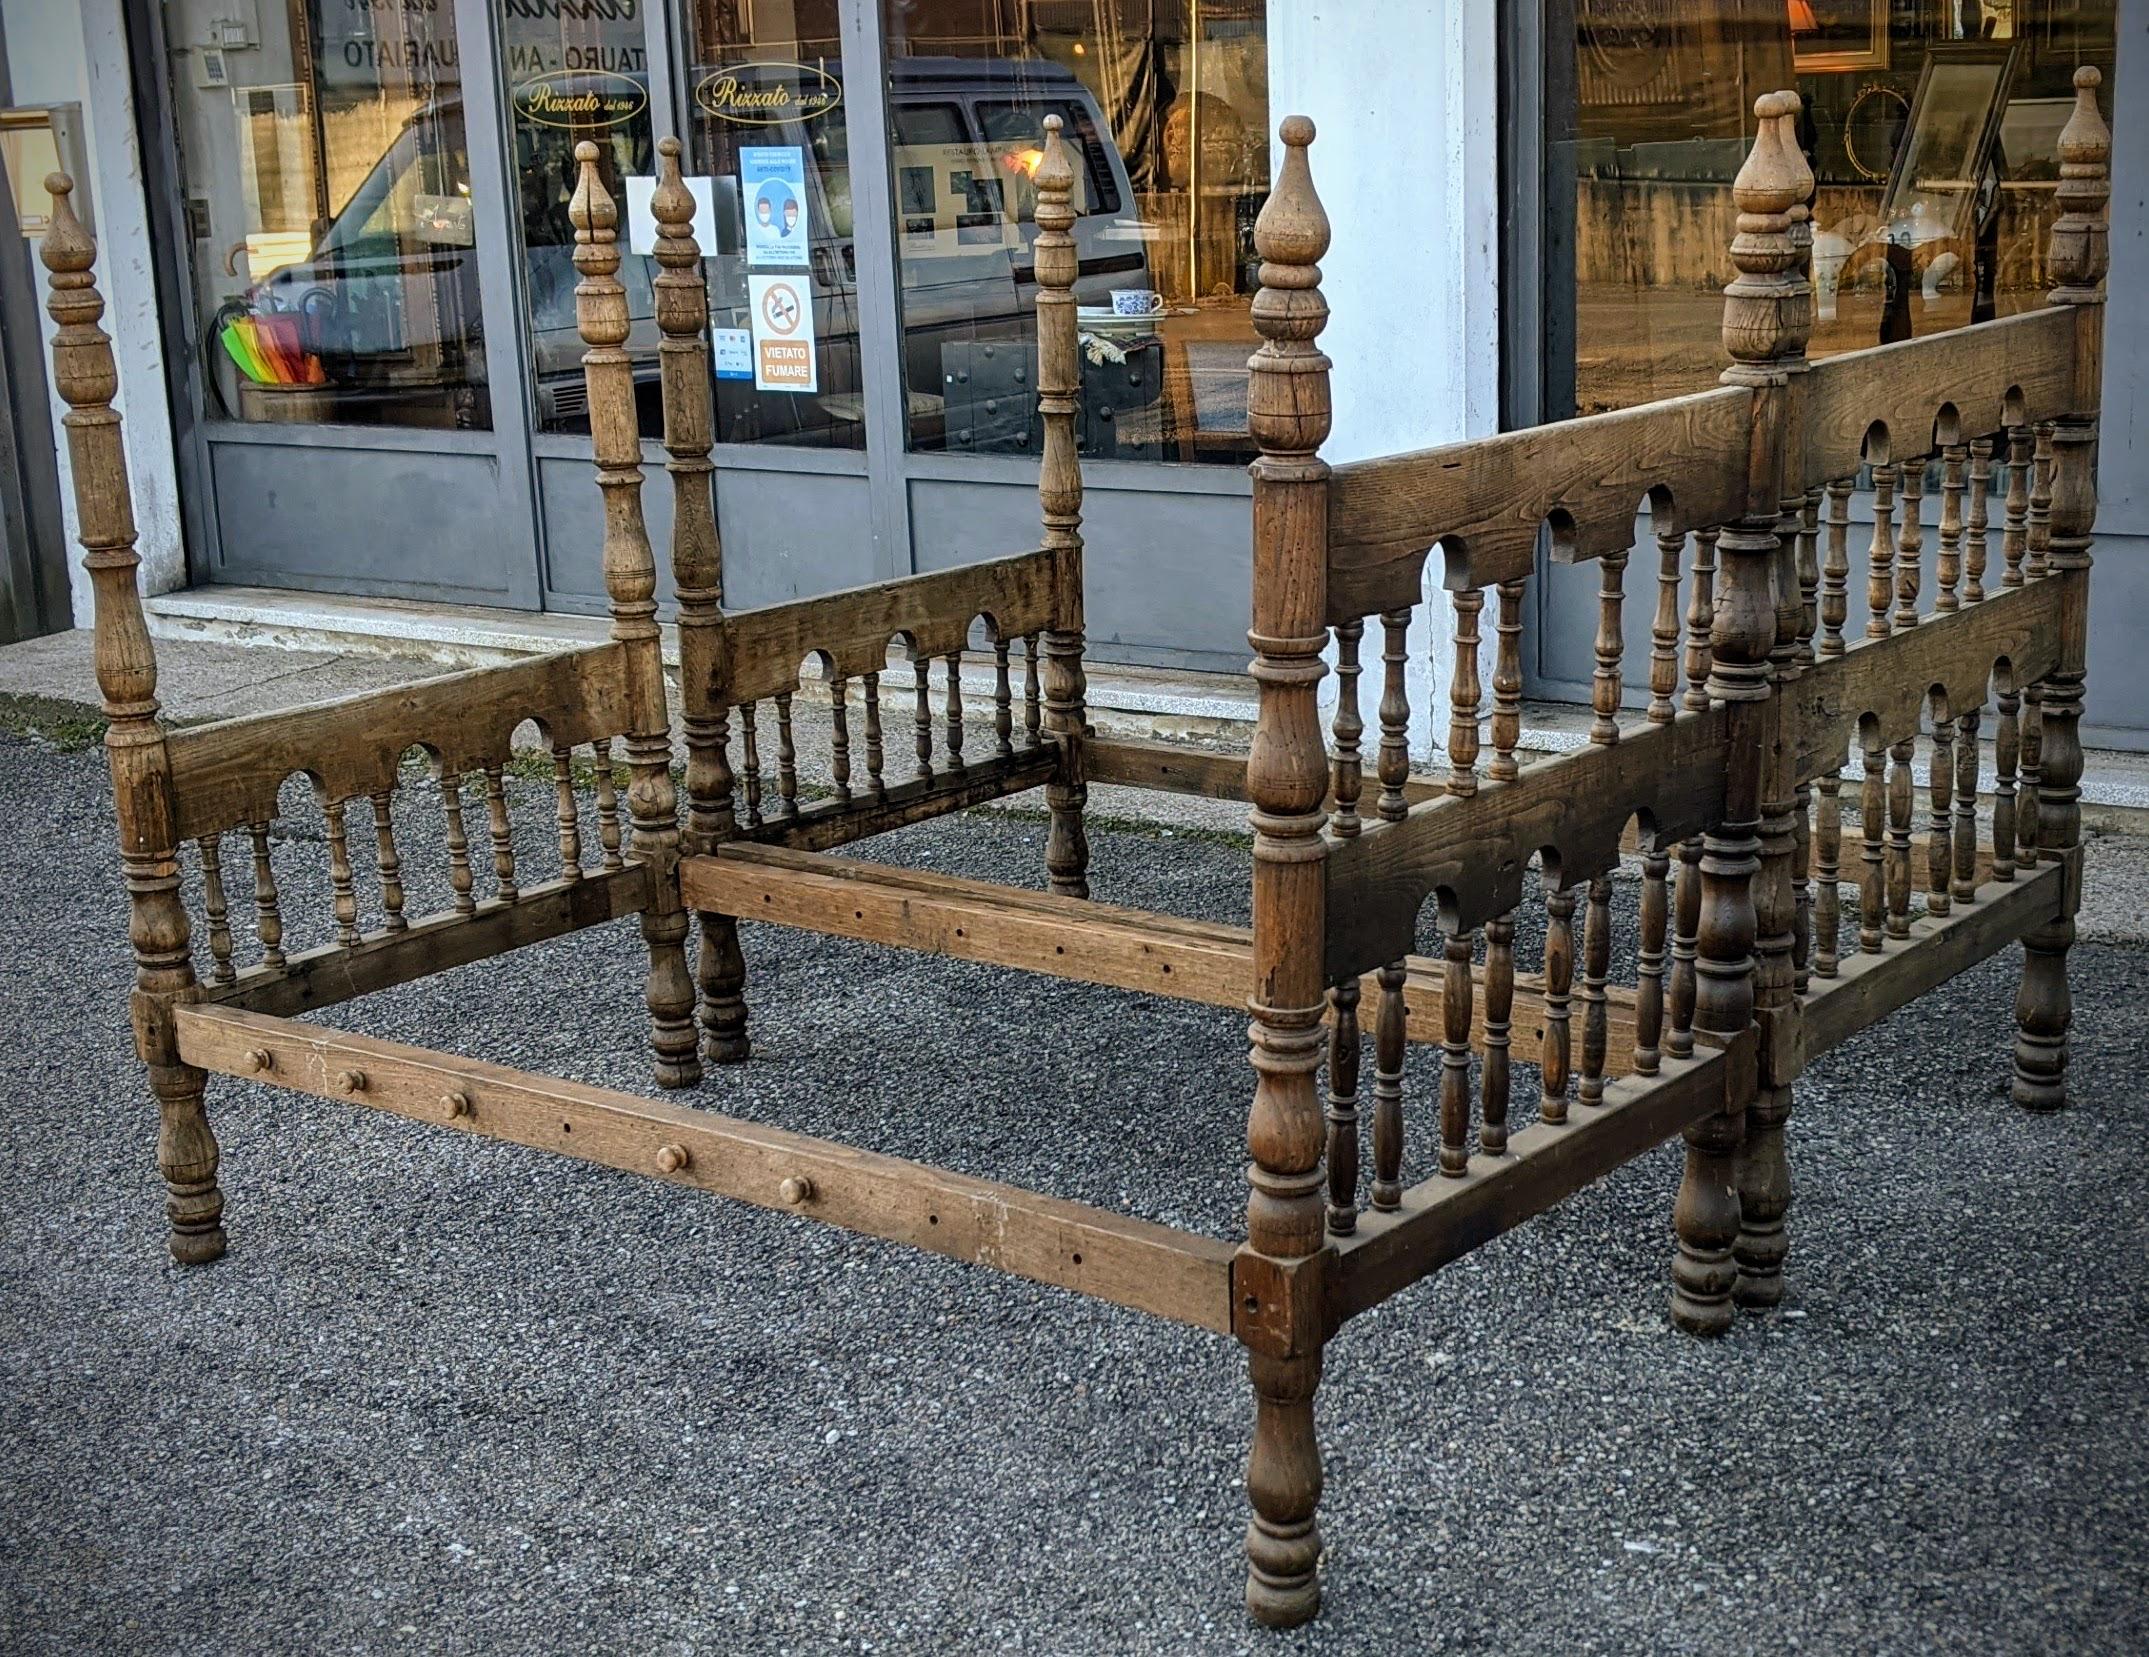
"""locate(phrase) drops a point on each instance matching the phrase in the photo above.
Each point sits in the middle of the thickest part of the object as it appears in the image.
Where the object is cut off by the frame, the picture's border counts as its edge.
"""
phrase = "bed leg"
(723, 991)
(187, 1158)
(1283, 1482)
(672, 1035)
(2044, 1007)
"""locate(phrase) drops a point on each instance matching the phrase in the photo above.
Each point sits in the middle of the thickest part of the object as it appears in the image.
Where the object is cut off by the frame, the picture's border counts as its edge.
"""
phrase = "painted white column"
(1404, 96)
(77, 53)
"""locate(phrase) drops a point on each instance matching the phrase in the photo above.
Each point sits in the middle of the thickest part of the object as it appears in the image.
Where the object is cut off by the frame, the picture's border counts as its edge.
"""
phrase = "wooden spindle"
(1498, 1034)
(211, 847)
(1507, 685)
(1807, 561)
(1345, 1048)
(460, 884)
(1596, 973)
(1394, 758)
(921, 669)
(608, 836)
(1390, 1030)
(2037, 538)
(839, 738)
(503, 836)
(389, 862)
(750, 760)
(2030, 741)
(567, 810)
(1947, 570)
(343, 889)
(954, 666)
(1976, 550)
(1965, 841)
(1828, 875)
(786, 756)
(1556, 1052)
(1464, 692)
(1455, 1005)
(1880, 556)
(1873, 830)
(268, 907)
(874, 756)
(2015, 510)
(1910, 544)
(1902, 795)
(2006, 752)
(1940, 811)
(1605, 688)
(1003, 702)
(1649, 958)
(1032, 704)
(1835, 571)
(1679, 988)
(1664, 632)
(1346, 768)
(1700, 616)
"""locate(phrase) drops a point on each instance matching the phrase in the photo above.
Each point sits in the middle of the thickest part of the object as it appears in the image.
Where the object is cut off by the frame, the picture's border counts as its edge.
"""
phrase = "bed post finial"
(1277, 1279)
(88, 380)
(2080, 254)
(1059, 494)
(630, 581)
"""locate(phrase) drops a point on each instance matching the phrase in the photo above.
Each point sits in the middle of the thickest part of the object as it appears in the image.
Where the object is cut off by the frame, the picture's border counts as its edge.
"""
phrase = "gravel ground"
(446, 1395)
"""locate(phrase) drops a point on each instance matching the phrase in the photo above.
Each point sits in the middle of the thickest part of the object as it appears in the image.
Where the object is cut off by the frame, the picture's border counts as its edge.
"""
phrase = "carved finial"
(673, 206)
(1288, 404)
(596, 221)
(1055, 181)
(2080, 236)
(1762, 306)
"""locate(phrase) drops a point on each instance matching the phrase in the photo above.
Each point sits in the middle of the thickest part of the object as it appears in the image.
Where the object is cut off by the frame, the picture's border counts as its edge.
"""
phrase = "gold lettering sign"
(768, 94)
(588, 99)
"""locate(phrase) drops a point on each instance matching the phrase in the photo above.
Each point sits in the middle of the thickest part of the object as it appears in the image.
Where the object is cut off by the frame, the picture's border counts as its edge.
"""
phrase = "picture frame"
(1955, 116)
(1838, 36)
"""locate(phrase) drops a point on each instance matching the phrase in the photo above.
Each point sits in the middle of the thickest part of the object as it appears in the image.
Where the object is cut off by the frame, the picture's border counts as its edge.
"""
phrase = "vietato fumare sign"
(768, 94)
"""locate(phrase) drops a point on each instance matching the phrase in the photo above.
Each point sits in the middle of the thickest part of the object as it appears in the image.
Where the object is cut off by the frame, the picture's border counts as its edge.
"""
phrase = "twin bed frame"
(1730, 786)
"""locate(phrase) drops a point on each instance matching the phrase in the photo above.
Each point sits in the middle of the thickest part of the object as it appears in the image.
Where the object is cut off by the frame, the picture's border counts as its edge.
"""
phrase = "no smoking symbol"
(780, 308)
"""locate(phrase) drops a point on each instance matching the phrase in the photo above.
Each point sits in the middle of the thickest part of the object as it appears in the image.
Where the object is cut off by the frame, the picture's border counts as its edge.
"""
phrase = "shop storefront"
(354, 217)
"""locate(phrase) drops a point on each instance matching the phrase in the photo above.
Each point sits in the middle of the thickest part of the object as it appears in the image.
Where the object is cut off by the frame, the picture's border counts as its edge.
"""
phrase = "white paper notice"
(783, 333)
(642, 220)
(734, 348)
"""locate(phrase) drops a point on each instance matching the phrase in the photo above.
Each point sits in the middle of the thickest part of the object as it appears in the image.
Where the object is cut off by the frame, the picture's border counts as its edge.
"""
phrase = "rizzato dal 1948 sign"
(591, 98)
(768, 94)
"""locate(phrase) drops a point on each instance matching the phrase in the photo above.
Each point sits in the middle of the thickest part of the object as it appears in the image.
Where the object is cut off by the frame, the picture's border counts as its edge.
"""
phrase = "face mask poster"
(772, 190)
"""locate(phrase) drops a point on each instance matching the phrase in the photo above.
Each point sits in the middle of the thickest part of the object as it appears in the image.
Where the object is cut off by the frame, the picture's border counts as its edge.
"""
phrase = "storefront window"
(576, 73)
(1933, 135)
(1166, 105)
(766, 125)
(331, 206)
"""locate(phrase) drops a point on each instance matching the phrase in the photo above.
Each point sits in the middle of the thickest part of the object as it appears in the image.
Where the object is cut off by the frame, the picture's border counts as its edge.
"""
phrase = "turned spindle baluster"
(1686, 897)
(567, 809)
(630, 581)
(1873, 831)
(1390, 1043)
(458, 838)
(954, 666)
(1288, 416)
(921, 719)
(2037, 535)
(389, 862)
(1809, 587)
(1649, 958)
(1607, 687)
(2037, 543)
(1455, 1000)
(1940, 811)
(750, 760)
(1910, 544)
(1345, 1048)
(1834, 610)
(608, 836)
(1964, 882)
(136, 753)
(1507, 685)
(268, 906)
(1003, 703)
(839, 738)
(1947, 570)
(2015, 509)
(211, 847)
(874, 756)
(1976, 548)
(1346, 768)
(2030, 766)
(1394, 761)
(1880, 557)
(1902, 799)
(1664, 631)
(2006, 752)
(343, 889)
(1556, 1052)
(1032, 702)
(786, 756)
(503, 835)
(1498, 1037)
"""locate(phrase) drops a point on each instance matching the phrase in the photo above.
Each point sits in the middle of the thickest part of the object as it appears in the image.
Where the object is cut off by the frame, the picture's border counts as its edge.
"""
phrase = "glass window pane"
(1166, 105)
(576, 73)
(329, 196)
(766, 124)
(1932, 131)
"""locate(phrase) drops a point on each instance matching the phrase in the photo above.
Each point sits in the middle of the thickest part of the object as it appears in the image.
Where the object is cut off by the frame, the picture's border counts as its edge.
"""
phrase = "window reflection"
(330, 201)
(1932, 132)
(1166, 104)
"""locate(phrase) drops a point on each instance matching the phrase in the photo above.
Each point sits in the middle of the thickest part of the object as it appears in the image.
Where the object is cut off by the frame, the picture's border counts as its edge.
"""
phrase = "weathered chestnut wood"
(1153, 1268)
(825, 824)
(1484, 501)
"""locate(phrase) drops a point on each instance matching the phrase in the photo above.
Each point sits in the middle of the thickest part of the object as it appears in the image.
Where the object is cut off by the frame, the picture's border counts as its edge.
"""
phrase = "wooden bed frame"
(1733, 776)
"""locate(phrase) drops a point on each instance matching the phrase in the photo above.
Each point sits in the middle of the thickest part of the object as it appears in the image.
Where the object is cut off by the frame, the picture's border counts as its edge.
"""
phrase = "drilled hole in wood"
(1078, 1260)
(1253, 1303)
(932, 1219)
(567, 1127)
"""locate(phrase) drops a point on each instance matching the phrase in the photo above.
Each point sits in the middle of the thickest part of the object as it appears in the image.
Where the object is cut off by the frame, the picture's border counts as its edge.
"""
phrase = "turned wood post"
(630, 583)
(1059, 494)
(682, 300)
(141, 766)
(1277, 1278)
(1752, 638)
(2079, 257)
